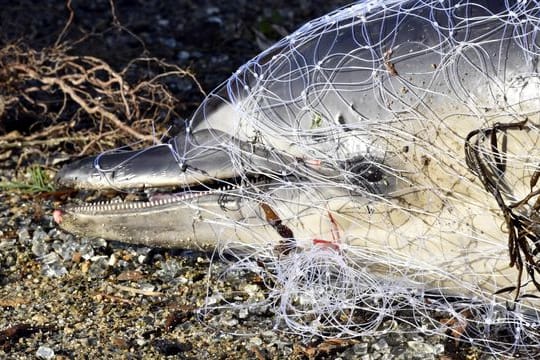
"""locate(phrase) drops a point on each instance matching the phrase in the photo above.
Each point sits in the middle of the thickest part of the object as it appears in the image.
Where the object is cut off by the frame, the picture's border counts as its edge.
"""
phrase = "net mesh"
(398, 143)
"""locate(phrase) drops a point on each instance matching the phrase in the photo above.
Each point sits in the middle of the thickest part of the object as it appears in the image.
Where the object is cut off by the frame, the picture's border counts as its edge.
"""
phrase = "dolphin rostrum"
(403, 135)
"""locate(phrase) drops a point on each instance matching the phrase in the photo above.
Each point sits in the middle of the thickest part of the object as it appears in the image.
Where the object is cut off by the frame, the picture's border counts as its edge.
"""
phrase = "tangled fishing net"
(386, 160)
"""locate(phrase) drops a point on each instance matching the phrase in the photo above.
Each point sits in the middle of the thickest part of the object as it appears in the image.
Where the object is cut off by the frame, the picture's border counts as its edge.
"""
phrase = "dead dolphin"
(404, 134)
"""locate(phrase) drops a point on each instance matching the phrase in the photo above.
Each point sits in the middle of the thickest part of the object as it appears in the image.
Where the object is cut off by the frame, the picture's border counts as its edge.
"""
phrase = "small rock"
(381, 345)
(23, 235)
(50, 258)
(142, 258)
(420, 347)
(251, 289)
(40, 248)
(44, 352)
(213, 299)
(98, 242)
(359, 349)
(40, 235)
(146, 287)
(54, 270)
(99, 267)
(230, 322)
(112, 260)
(86, 250)
(243, 313)
(255, 341)
(269, 333)
(170, 270)
(438, 349)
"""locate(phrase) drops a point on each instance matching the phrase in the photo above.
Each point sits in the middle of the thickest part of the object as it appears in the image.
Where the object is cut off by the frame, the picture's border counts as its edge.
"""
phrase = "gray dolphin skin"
(402, 135)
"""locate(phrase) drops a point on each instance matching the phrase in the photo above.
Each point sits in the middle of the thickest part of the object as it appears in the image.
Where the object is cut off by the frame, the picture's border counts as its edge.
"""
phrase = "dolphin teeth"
(119, 204)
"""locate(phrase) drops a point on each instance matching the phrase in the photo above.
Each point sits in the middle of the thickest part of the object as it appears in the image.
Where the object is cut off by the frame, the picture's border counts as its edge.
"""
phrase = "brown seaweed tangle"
(490, 167)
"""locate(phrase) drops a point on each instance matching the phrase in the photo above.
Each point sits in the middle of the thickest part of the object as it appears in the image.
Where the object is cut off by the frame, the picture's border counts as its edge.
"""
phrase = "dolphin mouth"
(158, 192)
(156, 198)
(159, 217)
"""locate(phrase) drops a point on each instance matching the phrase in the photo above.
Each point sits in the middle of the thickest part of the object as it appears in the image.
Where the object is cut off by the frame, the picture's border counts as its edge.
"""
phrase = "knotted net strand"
(409, 130)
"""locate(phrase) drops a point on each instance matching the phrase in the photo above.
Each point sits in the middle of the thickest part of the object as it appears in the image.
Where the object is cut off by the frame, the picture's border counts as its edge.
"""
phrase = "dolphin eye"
(369, 172)
(363, 169)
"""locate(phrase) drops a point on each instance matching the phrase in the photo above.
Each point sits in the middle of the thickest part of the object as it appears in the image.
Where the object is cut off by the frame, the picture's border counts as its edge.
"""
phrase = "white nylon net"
(398, 141)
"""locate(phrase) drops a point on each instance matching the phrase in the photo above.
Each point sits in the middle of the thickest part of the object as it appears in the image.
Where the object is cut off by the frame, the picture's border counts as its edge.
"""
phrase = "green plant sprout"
(36, 181)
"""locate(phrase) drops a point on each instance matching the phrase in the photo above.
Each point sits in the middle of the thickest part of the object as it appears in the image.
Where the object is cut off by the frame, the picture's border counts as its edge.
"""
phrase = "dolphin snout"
(175, 164)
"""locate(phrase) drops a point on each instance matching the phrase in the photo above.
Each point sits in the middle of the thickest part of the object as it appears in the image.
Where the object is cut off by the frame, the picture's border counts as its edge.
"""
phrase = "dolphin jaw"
(165, 220)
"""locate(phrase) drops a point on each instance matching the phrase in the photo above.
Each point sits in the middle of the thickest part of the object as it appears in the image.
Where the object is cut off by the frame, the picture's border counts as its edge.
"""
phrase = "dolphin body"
(402, 135)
